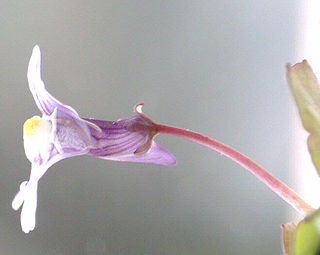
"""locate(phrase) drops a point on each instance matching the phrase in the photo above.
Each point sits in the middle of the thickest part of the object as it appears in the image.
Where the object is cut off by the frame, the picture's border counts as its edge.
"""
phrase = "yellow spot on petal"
(37, 138)
(31, 126)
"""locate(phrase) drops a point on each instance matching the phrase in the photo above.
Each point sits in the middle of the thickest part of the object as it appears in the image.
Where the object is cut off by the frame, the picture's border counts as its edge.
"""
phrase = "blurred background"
(216, 67)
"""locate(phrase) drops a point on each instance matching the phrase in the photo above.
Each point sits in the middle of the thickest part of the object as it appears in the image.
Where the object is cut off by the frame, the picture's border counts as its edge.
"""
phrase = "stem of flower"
(272, 182)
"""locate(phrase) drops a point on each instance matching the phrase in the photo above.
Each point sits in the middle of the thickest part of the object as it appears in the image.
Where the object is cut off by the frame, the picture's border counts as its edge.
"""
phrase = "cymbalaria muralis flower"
(60, 133)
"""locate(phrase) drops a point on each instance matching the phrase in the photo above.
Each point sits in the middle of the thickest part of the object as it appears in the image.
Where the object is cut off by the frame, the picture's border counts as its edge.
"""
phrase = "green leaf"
(305, 89)
(307, 237)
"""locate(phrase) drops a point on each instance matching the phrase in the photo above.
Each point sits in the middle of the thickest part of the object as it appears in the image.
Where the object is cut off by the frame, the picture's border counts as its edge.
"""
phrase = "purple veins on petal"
(128, 142)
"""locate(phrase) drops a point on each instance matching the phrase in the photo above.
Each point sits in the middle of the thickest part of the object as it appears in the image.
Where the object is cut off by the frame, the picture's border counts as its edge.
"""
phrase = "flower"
(60, 133)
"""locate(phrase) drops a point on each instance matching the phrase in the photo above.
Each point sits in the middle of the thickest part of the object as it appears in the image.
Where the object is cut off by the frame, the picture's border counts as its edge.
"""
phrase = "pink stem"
(272, 182)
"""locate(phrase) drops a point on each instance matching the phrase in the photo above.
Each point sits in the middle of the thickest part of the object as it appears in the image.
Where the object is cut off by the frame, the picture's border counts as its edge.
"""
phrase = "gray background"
(216, 67)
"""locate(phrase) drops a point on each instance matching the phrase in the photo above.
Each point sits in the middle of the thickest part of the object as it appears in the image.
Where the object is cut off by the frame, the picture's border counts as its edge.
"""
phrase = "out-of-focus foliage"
(288, 237)
(305, 88)
(305, 238)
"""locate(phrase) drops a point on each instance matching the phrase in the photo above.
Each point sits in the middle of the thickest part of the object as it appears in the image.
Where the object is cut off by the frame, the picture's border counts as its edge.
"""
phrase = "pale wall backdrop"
(216, 67)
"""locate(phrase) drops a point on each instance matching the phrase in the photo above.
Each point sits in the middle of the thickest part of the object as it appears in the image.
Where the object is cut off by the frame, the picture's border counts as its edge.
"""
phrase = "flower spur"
(60, 133)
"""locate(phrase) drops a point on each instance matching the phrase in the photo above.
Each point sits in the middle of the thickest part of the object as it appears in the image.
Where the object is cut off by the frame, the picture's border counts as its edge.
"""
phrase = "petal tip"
(36, 53)
(34, 66)
(170, 160)
(36, 49)
(161, 156)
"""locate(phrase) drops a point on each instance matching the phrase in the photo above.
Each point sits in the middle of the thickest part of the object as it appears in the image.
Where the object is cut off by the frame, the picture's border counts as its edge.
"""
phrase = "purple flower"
(60, 133)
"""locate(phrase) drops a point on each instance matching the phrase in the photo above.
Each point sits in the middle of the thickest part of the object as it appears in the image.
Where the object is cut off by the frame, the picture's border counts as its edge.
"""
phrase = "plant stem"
(272, 182)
